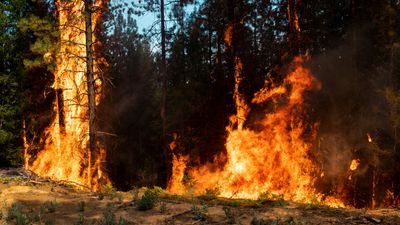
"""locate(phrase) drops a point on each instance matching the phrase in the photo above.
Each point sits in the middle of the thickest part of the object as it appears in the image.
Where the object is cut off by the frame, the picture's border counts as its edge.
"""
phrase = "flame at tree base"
(66, 153)
(275, 157)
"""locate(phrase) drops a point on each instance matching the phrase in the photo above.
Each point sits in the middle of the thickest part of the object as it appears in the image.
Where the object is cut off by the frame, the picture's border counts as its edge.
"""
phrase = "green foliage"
(109, 218)
(10, 133)
(148, 200)
(110, 191)
(200, 213)
(16, 214)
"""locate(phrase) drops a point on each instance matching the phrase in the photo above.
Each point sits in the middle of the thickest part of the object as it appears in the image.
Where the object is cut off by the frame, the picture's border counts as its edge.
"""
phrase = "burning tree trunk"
(90, 83)
(164, 90)
(69, 152)
(294, 27)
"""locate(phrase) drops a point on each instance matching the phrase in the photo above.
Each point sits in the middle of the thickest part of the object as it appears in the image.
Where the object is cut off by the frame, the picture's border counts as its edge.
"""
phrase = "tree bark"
(163, 70)
(90, 84)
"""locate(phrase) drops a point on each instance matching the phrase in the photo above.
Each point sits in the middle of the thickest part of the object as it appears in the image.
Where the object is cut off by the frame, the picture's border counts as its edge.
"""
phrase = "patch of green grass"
(9, 179)
(15, 213)
(148, 200)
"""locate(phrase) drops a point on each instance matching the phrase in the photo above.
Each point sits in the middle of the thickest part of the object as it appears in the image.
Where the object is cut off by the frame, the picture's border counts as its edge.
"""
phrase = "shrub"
(148, 200)
(109, 218)
(200, 213)
(15, 213)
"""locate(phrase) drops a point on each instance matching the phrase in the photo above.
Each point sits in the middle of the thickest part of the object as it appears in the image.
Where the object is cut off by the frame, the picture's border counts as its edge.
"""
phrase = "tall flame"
(275, 157)
(65, 154)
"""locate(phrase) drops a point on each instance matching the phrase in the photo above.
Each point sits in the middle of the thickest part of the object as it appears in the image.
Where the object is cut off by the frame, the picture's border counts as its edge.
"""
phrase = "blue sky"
(145, 21)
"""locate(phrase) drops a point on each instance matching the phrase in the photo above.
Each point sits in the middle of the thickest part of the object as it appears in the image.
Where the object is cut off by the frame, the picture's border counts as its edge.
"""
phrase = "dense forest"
(168, 92)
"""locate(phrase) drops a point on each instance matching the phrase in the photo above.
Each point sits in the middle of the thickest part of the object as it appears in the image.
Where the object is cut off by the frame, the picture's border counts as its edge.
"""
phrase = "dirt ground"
(46, 202)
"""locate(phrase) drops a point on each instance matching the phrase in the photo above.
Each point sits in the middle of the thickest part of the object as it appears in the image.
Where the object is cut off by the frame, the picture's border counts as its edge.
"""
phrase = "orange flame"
(64, 156)
(354, 164)
(276, 158)
(369, 138)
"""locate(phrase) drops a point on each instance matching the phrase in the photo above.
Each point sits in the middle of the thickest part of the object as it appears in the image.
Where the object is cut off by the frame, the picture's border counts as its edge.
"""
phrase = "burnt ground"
(37, 201)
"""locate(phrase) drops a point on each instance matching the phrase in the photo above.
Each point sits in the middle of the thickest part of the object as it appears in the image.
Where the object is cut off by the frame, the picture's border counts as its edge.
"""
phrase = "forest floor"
(28, 200)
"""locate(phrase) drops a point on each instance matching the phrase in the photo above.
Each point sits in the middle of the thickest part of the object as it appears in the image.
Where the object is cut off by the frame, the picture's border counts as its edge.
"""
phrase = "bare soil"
(34, 195)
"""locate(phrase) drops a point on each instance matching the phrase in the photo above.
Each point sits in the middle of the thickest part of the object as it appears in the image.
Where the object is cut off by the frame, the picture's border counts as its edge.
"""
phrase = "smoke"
(351, 108)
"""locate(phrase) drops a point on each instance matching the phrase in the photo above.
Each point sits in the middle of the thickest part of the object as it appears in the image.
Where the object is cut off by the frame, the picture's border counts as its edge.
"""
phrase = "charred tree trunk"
(163, 69)
(90, 83)
(294, 28)
(164, 92)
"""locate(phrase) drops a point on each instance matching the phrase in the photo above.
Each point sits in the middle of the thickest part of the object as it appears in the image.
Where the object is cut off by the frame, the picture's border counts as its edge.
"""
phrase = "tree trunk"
(90, 84)
(163, 70)
(164, 94)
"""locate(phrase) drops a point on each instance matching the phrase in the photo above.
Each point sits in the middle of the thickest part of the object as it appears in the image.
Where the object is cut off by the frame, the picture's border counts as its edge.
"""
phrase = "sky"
(146, 21)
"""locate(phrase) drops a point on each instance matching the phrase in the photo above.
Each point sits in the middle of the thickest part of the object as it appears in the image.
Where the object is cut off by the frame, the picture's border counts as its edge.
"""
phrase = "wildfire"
(275, 159)
(65, 155)
(354, 164)
(369, 138)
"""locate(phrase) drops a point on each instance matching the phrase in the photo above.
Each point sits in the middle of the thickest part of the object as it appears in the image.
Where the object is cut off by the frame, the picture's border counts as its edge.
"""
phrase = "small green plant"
(81, 220)
(15, 213)
(81, 206)
(109, 218)
(148, 200)
(50, 206)
(163, 207)
(200, 213)
(230, 216)
(210, 194)
(158, 189)
(110, 191)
